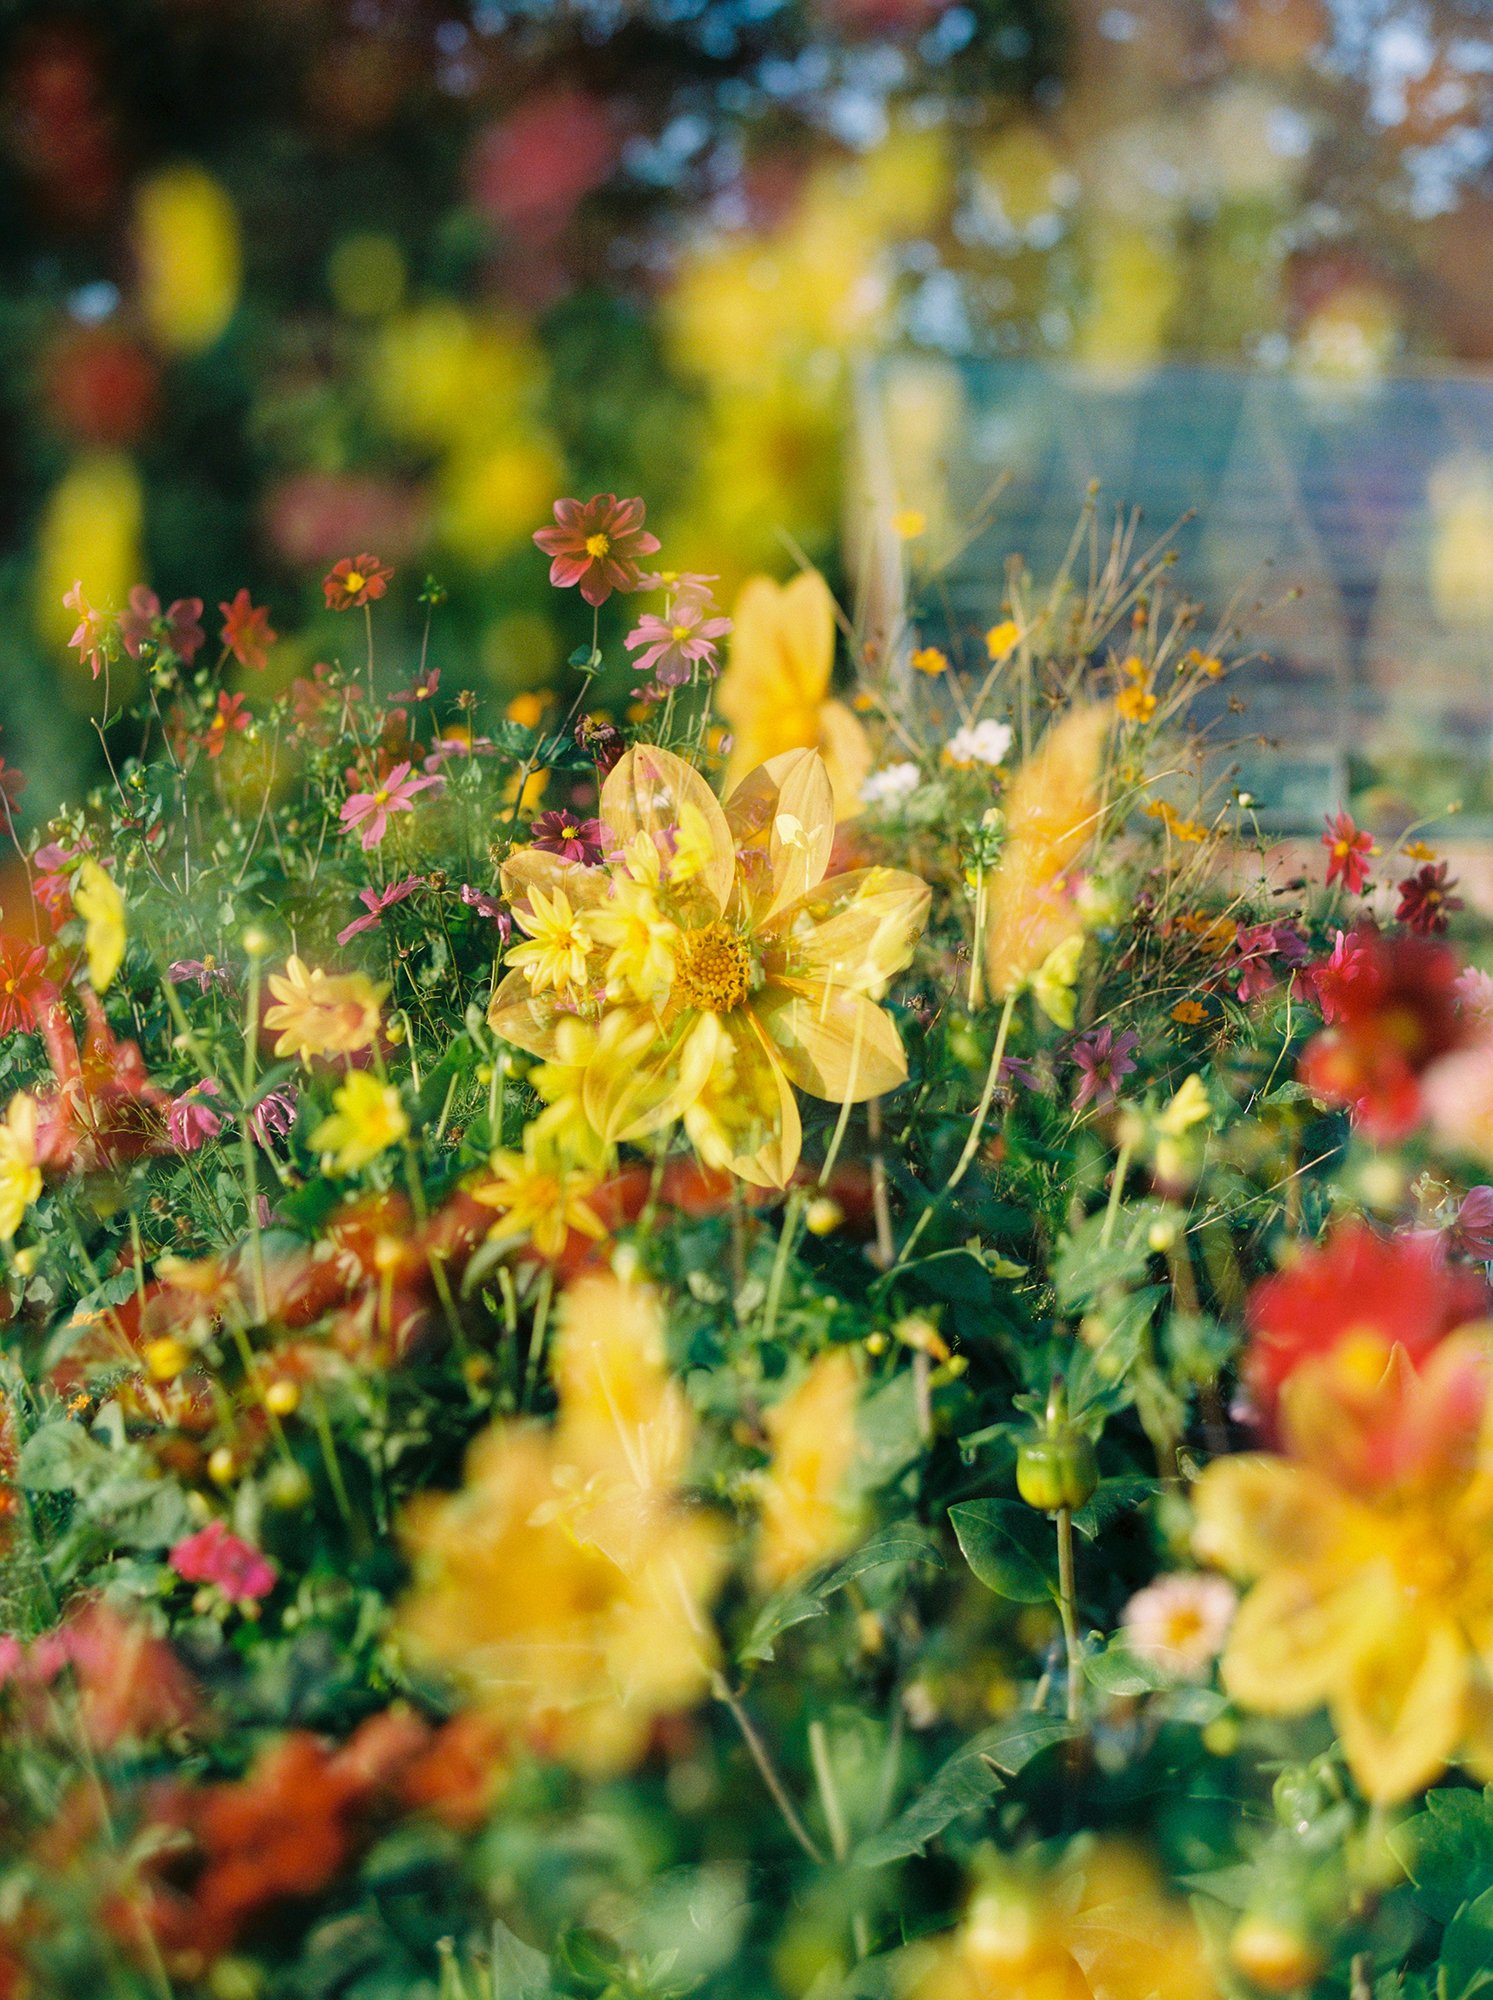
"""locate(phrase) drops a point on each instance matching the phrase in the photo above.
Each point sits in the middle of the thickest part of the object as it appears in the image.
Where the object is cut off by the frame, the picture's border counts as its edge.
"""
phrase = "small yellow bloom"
(322, 1013)
(165, 1358)
(540, 1197)
(909, 523)
(555, 956)
(1189, 830)
(1194, 661)
(527, 709)
(1135, 703)
(639, 939)
(1190, 1013)
(930, 660)
(1054, 980)
(367, 1119)
(20, 1176)
(1417, 850)
(808, 1510)
(1002, 640)
(100, 905)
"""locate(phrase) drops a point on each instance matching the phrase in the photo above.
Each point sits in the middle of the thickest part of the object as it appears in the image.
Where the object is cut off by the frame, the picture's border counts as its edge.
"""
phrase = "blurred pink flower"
(215, 1555)
(191, 1121)
(375, 902)
(91, 637)
(179, 628)
(677, 644)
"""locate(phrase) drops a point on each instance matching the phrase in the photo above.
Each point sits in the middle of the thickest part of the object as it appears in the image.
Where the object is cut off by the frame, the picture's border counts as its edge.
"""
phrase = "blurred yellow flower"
(187, 256)
(367, 1118)
(100, 905)
(808, 1508)
(322, 1013)
(89, 532)
(1100, 1927)
(566, 1584)
(20, 1176)
(1053, 808)
(1053, 981)
(759, 974)
(775, 691)
(930, 660)
(1002, 640)
(1370, 1595)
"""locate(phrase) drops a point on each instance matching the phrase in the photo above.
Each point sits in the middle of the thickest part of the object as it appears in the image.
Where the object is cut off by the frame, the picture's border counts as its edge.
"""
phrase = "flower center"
(597, 546)
(354, 581)
(715, 969)
(381, 797)
(680, 632)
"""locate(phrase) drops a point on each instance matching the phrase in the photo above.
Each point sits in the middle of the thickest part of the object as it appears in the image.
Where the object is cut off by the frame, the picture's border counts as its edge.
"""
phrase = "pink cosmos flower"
(371, 810)
(179, 628)
(1348, 851)
(678, 643)
(1472, 1232)
(198, 972)
(191, 1121)
(1105, 1059)
(215, 1555)
(94, 628)
(1475, 995)
(422, 688)
(375, 902)
(596, 544)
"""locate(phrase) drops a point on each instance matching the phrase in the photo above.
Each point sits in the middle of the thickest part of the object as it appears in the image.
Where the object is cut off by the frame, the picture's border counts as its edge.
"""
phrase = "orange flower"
(355, 580)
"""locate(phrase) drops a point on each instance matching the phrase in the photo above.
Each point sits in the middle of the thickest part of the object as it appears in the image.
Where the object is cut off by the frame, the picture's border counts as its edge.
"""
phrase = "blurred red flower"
(246, 631)
(1426, 898)
(1392, 1003)
(355, 580)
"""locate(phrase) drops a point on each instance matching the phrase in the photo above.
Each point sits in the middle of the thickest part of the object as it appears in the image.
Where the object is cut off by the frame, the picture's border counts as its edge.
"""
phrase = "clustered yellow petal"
(20, 1175)
(367, 1118)
(807, 1492)
(322, 1013)
(566, 1585)
(99, 903)
(711, 966)
(1371, 1597)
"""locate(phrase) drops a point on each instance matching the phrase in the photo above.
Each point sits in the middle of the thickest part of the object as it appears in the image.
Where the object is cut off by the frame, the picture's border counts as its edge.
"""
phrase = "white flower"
(884, 788)
(1180, 1623)
(985, 743)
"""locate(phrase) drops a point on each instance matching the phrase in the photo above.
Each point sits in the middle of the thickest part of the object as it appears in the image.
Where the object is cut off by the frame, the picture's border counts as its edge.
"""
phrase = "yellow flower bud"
(165, 1358)
(222, 1466)
(1273, 1954)
(282, 1397)
(823, 1216)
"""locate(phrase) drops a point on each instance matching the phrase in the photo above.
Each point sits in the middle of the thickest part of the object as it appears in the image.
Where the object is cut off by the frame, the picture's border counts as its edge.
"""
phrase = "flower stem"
(1068, 1614)
(976, 1131)
(766, 1768)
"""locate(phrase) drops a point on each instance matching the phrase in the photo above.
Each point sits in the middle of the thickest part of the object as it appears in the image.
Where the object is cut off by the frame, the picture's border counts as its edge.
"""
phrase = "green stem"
(1068, 1613)
(976, 1131)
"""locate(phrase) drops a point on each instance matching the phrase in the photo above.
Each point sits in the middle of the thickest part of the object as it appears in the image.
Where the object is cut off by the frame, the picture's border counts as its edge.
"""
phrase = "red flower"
(103, 1109)
(1393, 1005)
(597, 545)
(1348, 850)
(246, 632)
(229, 719)
(1426, 899)
(23, 983)
(1353, 1299)
(215, 1555)
(355, 580)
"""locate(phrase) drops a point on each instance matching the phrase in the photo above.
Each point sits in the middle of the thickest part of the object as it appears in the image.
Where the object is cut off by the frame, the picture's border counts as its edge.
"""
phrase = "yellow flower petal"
(786, 807)
(745, 1119)
(856, 930)
(1298, 1634)
(1401, 1712)
(100, 905)
(848, 756)
(642, 1078)
(831, 1042)
(534, 1022)
(1254, 1513)
(647, 792)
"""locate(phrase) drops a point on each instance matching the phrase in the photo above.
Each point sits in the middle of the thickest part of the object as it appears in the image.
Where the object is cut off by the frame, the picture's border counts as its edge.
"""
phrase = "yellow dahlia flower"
(20, 1175)
(1372, 1596)
(322, 1013)
(716, 966)
(99, 903)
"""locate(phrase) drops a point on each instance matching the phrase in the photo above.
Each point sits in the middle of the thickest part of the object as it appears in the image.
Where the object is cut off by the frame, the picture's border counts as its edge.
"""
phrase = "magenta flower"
(179, 628)
(1105, 1059)
(94, 628)
(489, 907)
(272, 1117)
(445, 748)
(422, 687)
(1472, 1232)
(191, 1120)
(370, 810)
(1261, 950)
(679, 643)
(201, 972)
(571, 838)
(215, 1555)
(375, 902)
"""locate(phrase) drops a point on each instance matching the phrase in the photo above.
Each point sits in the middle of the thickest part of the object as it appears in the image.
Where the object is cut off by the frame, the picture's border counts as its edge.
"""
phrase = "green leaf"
(901, 1541)
(970, 1778)
(1467, 1951)
(1120, 1494)
(59, 1458)
(1447, 1850)
(1007, 1547)
(519, 1972)
(1115, 1670)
